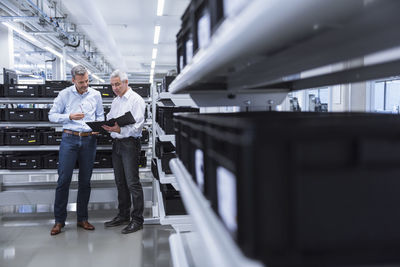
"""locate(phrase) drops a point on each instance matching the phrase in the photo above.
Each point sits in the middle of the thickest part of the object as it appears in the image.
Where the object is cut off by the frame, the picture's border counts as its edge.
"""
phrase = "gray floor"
(25, 240)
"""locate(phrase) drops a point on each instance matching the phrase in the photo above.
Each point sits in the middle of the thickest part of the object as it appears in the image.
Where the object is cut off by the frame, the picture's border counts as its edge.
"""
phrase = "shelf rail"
(217, 241)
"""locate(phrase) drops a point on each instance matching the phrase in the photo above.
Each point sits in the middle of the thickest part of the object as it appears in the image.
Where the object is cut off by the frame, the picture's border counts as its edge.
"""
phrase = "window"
(386, 96)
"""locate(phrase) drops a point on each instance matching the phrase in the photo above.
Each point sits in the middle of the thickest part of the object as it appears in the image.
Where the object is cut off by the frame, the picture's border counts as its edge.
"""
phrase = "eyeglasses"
(116, 84)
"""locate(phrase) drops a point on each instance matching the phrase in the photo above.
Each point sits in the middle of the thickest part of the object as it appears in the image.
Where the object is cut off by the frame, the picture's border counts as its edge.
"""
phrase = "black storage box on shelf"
(1, 136)
(180, 51)
(165, 151)
(1, 90)
(21, 90)
(50, 161)
(164, 116)
(2, 162)
(188, 35)
(142, 89)
(18, 136)
(104, 139)
(104, 89)
(23, 160)
(44, 114)
(154, 168)
(51, 137)
(173, 204)
(22, 114)
(103, 159)
(167, 80)
(145, 136)
(306, 188)
(142, 159)
(53, 88)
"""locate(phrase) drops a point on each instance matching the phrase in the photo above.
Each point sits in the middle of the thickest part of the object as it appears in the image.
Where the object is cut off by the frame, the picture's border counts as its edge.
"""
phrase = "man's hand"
(114, 128)
(76, 116)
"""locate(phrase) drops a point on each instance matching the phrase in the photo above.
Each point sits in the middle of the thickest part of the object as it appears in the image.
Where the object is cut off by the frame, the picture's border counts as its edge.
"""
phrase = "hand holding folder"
(123, 120)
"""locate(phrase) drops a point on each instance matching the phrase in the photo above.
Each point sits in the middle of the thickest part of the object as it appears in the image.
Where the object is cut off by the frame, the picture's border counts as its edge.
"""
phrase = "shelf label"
(199, 167)
(226, 190)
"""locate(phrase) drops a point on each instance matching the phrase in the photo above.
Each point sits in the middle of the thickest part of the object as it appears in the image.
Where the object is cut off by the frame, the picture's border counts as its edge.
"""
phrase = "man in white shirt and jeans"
(126, 154)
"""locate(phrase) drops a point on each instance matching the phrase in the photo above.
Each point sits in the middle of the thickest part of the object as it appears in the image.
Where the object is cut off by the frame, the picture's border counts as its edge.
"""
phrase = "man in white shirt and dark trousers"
(126, 154)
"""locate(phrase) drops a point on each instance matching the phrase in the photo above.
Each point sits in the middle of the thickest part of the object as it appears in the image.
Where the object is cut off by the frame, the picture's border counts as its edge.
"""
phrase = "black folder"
(123, 120)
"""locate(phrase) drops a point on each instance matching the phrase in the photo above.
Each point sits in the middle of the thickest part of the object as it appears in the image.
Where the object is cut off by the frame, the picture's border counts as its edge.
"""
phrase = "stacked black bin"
(165, 151)
(164, 116)
(307, 188)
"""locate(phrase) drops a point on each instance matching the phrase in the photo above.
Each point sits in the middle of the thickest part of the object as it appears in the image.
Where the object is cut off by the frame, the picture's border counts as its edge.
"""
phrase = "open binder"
(123, 120)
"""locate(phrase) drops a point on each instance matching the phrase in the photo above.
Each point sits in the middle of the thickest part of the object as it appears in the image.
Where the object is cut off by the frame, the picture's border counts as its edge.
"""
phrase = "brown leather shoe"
(85, 225)
(57, 228)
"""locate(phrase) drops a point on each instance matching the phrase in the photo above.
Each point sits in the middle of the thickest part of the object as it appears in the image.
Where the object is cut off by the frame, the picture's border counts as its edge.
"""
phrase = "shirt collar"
(127, 94)
(73, 89)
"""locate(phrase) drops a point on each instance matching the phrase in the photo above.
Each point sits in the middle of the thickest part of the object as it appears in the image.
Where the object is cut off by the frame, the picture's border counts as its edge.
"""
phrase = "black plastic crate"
(22, 90)
(173, 204)
(1, 137)
(50, 161)
(188, 35)
(317, 187)
(1, 90)
(51, 138)
(154, 168)
(104, 139)
(23, 161)
(103, 159)
(164, 116)
(44, 114)
(21, 114)
(2, 162)
(104, 89)
(180, 51)
(145, 136)
(142, 159)
(51, 90)
(22, 137)
(142, 89)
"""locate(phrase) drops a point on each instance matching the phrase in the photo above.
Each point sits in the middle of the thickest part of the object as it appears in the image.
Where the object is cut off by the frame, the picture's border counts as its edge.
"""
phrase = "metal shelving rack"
(254, 58)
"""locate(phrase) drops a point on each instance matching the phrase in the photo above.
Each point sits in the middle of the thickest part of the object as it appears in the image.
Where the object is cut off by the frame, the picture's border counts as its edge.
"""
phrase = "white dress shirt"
(70, 101)
(134, 103)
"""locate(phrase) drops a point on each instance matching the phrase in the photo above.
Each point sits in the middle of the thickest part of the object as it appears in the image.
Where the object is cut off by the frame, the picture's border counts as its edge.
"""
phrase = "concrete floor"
(25, 240)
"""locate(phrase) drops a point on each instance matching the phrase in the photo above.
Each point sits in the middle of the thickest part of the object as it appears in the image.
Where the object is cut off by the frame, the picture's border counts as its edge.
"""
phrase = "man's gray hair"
(122, 75)
(78, 70)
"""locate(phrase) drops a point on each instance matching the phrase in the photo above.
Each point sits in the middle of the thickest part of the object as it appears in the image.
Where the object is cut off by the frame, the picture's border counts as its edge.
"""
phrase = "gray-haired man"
(126, 152)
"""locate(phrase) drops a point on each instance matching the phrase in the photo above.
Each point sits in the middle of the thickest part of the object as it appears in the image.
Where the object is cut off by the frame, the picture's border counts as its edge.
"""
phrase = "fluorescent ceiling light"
(153, 64)
(22, 32)
(160, 7)
(154, 54)
(72, 63)
(54, 52)
(157, 34)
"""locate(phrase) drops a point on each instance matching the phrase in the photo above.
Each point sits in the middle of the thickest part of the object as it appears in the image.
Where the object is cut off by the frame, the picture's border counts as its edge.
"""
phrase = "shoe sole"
(129, 232)
(113, 225)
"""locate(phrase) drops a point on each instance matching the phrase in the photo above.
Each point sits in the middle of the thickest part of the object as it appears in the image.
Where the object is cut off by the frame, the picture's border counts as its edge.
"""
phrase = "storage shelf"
(184, 221)
(166, 178)
(39, 100)
(181, 100)
(54, 171)
(182, 242)
(268, 42)
(164, 137)
(53, 148)
(215, 239)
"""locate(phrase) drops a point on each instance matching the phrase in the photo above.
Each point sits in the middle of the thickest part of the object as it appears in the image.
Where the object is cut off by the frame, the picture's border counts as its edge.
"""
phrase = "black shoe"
(132, 227)
(116, 221)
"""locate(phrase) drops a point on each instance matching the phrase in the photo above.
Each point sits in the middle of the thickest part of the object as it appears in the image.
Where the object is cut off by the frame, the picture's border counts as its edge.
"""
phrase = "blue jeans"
(73, 148)
(125, 158)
